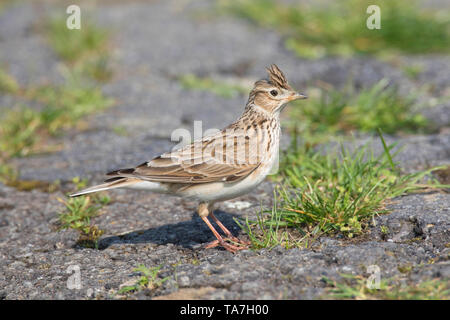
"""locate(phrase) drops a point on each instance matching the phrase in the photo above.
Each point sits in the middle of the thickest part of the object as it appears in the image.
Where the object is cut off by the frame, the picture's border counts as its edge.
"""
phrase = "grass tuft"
(313, 31)
(85, 50)
(18, 128)
(333, 112)
(221, 88)
(72, 45)
(66, 105)
(7, 83)
(333, 193)
(78, 215)
(7, 172)
(355, 287)
(148, 280)
(23, 130)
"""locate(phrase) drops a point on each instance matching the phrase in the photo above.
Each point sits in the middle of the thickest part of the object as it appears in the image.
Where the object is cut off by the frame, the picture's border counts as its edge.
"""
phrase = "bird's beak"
(297, 96)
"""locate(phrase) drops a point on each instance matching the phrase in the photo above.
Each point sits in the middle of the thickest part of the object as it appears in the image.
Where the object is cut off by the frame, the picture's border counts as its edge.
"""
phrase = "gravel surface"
(38, 262)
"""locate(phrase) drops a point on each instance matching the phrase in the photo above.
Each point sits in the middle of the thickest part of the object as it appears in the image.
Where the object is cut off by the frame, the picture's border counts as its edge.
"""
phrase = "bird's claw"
(231, 244)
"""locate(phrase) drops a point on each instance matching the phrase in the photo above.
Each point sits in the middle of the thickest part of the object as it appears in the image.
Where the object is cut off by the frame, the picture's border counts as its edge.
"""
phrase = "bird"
(220, 166)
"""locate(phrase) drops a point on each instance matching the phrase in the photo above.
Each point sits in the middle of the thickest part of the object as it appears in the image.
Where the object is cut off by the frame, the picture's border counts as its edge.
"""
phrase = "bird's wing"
(225, 157)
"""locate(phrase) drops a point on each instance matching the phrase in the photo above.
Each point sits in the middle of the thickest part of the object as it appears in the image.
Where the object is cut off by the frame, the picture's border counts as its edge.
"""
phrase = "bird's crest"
(277, 77)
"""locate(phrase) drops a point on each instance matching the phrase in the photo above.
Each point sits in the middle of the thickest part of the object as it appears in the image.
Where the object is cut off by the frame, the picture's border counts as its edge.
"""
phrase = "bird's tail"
(117, 182)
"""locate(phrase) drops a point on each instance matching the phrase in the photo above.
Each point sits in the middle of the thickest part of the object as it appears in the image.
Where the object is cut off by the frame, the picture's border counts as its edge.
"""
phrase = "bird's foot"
(231, 244)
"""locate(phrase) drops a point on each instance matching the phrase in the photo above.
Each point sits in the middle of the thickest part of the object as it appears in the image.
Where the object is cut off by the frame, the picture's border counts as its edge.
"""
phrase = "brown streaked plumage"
(221, 166)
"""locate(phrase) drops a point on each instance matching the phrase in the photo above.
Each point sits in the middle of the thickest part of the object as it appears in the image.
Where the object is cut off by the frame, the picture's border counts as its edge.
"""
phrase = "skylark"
(221, 166)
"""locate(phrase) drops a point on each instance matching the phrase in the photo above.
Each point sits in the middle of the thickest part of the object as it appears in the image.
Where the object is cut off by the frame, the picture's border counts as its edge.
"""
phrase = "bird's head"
(273, 94)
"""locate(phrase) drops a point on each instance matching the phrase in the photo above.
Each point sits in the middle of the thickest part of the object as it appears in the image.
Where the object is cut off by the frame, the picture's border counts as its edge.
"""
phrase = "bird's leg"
(203, 212)
(220, 240)
(226, 231)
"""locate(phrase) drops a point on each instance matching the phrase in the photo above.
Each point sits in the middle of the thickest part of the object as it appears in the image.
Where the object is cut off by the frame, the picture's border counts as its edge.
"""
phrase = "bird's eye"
(274, 93)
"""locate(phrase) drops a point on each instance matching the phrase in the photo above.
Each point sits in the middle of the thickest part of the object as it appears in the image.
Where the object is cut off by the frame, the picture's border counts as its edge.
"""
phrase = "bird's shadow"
(187, 234)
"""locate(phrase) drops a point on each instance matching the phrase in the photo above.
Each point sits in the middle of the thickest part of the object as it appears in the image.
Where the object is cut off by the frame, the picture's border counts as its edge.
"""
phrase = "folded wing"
(226, 157)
